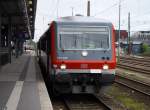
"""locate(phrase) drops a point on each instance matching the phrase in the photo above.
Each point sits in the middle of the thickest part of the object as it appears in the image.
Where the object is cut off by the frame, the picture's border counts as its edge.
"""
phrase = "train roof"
(78, 19)
(82, 19)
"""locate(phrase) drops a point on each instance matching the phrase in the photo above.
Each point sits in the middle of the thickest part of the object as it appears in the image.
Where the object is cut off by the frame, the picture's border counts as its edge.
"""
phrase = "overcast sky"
(48, 10)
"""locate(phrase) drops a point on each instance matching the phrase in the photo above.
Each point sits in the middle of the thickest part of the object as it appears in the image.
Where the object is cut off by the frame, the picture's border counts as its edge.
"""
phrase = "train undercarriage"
(75, 82)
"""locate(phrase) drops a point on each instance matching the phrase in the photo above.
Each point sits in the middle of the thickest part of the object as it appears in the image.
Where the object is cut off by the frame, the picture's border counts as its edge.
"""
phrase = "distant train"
(78, 54)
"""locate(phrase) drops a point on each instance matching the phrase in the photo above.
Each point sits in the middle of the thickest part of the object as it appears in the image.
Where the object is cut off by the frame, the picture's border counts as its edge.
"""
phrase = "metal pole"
(57, 8)
(72, 10)
(119, 32)
(88, 8)
(129, 33)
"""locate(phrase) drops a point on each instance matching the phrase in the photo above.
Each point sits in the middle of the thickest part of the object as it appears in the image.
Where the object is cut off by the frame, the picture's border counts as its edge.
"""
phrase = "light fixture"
(30, 9)
(63, 67)
(30, 2)
(105, 67)
(84, 53)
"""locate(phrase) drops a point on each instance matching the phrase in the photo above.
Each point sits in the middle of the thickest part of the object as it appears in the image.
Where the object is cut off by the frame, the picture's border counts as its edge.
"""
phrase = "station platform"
(22, 86)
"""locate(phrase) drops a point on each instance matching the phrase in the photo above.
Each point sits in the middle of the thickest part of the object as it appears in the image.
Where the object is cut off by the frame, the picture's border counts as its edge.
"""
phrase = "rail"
(82, 102)
(133, 84)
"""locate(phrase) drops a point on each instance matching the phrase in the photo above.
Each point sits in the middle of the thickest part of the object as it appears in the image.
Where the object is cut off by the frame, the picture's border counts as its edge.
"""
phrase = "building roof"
(19, 13)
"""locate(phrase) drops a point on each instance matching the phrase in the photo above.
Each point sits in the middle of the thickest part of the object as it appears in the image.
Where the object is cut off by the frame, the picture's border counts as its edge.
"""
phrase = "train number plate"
(95, 71)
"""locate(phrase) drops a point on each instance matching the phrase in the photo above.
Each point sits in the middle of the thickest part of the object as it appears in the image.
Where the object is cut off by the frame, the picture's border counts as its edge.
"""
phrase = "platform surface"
(22, 86)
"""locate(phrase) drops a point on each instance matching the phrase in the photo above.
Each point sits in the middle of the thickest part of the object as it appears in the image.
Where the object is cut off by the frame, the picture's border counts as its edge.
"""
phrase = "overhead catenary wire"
(133, 18)
(135, 21)
(108, 8)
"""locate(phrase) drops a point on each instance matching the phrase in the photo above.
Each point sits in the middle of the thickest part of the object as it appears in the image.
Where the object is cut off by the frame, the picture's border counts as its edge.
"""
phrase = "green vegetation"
(146, 50)
(125, 99)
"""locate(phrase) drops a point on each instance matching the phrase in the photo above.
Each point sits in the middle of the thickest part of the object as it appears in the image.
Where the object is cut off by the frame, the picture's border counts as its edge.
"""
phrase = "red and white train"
(78, 54)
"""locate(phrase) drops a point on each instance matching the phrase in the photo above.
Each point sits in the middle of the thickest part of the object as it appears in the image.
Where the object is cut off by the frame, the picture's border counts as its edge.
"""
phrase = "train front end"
(83, 56)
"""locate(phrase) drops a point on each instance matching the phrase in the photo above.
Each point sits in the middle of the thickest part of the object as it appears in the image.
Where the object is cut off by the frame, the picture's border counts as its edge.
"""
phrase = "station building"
(141, 36)
(17, 19)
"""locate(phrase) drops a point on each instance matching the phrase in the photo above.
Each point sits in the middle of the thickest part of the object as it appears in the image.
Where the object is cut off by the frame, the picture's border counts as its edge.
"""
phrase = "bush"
(146, 50)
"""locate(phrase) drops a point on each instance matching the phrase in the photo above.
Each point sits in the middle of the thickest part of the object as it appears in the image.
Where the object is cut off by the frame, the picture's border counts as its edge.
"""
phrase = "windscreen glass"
(83, 38)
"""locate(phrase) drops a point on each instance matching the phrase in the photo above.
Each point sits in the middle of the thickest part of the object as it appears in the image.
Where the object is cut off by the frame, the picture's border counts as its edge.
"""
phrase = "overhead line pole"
(57, 6)
(119, 31)
(129, 48)
(88, 8)
(72, 11)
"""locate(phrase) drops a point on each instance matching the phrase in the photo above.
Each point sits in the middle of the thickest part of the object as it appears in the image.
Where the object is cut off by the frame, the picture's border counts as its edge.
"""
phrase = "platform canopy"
(19, 13)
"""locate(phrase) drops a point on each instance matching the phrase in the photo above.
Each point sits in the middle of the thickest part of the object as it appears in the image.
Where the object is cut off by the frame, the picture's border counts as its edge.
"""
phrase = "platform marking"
(44, 97)
(13, 100)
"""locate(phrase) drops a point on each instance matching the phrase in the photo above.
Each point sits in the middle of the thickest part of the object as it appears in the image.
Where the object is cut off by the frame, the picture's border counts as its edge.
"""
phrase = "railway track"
(134, 85)
(138, 61)
(135, 64)
(80, 102)
(58, 104)
(135, 58)
(146, 64)
(135, 68)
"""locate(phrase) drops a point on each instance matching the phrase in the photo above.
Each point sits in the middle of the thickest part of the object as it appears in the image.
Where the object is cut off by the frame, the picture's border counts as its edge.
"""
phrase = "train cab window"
(91, 38)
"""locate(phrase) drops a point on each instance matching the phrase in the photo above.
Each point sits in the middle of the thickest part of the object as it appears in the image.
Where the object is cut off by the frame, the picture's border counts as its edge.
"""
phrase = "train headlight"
(105, 67)
(84, 53)
(63, 67)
